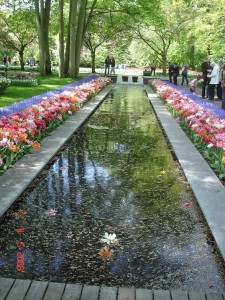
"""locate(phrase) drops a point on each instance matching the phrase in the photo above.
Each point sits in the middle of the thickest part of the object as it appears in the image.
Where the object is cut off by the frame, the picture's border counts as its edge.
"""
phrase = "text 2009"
(19, 254)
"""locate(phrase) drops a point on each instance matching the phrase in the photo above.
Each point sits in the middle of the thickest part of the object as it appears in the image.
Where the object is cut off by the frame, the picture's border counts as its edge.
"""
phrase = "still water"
(116, 176)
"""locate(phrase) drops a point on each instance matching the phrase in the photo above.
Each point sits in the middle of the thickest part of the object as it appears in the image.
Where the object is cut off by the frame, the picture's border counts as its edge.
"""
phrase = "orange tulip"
(22, 137)
(14, 148)
(36, 145)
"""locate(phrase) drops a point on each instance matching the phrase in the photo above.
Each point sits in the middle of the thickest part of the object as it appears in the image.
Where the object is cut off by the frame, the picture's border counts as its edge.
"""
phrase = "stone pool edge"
(14, 181)
(207, 188)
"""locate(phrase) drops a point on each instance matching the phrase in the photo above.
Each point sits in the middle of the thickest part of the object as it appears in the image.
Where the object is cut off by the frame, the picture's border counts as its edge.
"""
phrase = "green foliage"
(17, 93)
(147, 73)
(4, 83)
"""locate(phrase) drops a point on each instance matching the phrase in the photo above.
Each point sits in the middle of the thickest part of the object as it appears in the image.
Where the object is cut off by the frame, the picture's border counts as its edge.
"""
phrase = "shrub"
(147, 73)
(4, 83)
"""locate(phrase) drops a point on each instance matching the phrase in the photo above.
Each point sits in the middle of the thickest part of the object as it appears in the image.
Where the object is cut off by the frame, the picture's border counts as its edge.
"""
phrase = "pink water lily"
(51, 212)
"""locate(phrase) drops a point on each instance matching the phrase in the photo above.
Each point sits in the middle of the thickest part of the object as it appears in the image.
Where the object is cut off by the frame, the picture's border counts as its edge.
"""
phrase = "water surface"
(117, 175)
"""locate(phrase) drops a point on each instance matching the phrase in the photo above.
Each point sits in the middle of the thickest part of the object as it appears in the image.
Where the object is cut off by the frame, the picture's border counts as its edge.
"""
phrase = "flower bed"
(24, 79)
(201, 124)
(22, 131)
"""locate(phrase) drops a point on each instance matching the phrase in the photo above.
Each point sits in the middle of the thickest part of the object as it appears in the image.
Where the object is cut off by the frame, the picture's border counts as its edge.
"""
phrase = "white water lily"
(109, 238)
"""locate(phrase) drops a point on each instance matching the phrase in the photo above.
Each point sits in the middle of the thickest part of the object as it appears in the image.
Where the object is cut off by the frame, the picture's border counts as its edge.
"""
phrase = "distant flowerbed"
(205, 129)
(23, 79)
(20, 132)
(20, 79)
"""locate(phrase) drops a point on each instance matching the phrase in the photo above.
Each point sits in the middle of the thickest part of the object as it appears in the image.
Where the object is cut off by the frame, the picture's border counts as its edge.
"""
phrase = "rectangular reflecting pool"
(113, 208)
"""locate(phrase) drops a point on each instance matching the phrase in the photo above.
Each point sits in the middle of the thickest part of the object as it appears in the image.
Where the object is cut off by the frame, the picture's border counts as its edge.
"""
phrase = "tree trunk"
(21, 58)
(93, 61)
(61, 39)
(72, 25)
(80, 35)
(164, 62)
(67, 51)
(42, 12)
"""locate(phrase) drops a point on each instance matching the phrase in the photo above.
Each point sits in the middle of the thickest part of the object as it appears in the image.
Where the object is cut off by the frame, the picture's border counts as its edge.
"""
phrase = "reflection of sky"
(98, 171)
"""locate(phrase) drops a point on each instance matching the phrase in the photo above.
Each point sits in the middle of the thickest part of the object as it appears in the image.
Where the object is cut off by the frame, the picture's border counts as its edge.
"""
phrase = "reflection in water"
(117, 176)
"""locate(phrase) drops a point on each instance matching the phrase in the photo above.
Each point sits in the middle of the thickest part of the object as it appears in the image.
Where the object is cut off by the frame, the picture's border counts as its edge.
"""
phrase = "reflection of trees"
(132, 195)
(139, 169)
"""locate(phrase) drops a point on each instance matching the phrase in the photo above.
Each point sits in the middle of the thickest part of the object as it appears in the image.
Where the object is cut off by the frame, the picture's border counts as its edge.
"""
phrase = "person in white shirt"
(214, 79)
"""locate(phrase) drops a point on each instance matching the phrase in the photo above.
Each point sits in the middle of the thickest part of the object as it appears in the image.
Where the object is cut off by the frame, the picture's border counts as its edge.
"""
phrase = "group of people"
(213, 76)
(110, 62)
(7, 60)
(174, 72)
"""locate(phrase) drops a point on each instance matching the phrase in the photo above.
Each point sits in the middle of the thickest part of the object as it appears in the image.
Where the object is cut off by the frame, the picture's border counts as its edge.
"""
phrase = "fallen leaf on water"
(20, 213)
(106, 252)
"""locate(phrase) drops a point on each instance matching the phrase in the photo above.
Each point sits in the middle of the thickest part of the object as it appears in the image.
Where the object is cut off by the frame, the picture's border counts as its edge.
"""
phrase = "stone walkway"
(11, 289)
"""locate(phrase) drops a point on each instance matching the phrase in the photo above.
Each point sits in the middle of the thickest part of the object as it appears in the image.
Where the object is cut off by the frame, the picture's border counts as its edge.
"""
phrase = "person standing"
(9, 60)
(184, 74)
(219, 88)
(153, 68)
(170, 71)
(176, 72)
(5, 60)
(113, 64)
(214, 79)
(107, 65)
(205, 67)
(223, 87)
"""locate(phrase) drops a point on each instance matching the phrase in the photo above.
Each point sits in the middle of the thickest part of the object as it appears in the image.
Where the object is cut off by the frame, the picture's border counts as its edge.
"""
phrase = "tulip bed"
(202, 125)
(23, 79)
(22, 131)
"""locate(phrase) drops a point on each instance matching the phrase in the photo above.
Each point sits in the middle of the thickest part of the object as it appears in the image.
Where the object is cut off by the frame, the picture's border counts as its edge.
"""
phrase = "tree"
(61, 38)
(18, 31)
(160, 30)
(42, 13)
(79, 18)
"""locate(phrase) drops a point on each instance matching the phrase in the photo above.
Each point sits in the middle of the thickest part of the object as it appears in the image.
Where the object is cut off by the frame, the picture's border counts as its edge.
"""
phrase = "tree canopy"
(184, 31)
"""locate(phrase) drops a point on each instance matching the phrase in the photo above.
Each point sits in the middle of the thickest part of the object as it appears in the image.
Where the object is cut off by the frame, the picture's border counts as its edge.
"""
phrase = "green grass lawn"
(15, 94)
